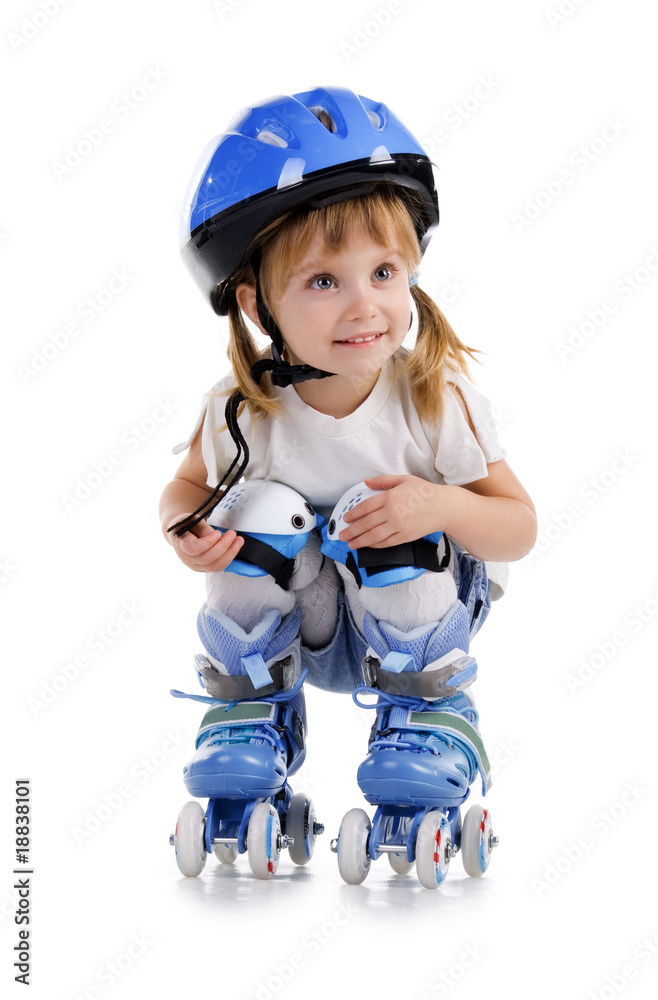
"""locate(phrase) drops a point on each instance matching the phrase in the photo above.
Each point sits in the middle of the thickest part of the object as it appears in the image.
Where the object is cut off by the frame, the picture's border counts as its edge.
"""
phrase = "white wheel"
(300, 825)
(353, 857)
(226, 853)
(400, 863)
(189, 839)
(264, 841)
(433, 849)
(477, 841)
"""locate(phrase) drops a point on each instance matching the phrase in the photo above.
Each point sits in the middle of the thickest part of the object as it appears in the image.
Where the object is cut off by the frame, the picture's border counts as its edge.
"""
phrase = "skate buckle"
(369, 668)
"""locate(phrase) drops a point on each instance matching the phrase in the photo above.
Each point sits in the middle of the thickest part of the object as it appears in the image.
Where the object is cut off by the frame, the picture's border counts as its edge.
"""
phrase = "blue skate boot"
(247, 749)
(251, 740)
(252, 737)
(424, 753)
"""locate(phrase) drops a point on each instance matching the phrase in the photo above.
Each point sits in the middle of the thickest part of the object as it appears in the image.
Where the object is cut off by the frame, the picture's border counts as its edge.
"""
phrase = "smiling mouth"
(361, 340)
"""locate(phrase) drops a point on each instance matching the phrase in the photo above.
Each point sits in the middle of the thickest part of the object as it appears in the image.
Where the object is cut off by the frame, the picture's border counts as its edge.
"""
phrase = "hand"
(409, 508)
(205, 549)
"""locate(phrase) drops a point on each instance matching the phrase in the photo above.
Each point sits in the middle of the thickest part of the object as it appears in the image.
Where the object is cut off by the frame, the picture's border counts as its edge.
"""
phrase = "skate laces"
(222, 733)
(415, 704)
(277, 697)
(399, 735)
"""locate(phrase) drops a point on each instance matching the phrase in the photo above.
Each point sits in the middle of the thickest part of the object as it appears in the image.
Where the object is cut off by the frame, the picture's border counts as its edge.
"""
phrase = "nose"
(361, 302)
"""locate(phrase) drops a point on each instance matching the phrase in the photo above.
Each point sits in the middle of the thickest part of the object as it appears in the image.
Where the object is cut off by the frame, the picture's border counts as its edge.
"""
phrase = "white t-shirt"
(321, 456)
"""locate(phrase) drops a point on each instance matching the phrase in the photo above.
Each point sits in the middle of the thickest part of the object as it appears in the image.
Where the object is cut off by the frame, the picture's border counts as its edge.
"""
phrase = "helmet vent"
(381, 155)
(375, 119)
(323, 116)
(265, 135)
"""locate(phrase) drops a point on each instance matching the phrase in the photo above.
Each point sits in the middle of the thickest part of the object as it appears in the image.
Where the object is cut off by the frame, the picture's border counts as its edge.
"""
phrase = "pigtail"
(286, 239)
(437, 347)
(243, 353)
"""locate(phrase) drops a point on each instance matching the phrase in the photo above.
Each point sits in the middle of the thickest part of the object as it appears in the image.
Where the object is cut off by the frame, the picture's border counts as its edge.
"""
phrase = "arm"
(493, 518)
(203, 549)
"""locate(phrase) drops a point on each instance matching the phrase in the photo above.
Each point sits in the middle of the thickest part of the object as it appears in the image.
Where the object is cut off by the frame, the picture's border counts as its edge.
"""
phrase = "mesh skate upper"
(425, 644)
(227, 642)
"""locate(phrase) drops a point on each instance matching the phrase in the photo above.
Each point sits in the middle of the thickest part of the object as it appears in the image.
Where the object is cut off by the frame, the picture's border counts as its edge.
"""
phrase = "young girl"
(310, 217)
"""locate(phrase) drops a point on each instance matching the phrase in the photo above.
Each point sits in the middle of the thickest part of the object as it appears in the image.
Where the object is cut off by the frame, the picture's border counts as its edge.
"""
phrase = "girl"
(309, 217)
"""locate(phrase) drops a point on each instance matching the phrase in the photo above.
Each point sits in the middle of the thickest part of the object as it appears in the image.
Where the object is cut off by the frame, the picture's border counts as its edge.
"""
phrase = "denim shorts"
(337, 666)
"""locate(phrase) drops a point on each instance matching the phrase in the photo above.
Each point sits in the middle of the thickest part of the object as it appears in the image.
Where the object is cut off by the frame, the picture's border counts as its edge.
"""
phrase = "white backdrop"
(541, 117)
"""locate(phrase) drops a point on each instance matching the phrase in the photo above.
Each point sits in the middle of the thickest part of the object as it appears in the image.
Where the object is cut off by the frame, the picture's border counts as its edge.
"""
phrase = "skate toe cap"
(235, 771)
(404, 776)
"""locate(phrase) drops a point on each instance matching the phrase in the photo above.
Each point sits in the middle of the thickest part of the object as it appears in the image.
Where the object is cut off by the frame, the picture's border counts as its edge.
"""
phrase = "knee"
(275, 522)
(374, 567)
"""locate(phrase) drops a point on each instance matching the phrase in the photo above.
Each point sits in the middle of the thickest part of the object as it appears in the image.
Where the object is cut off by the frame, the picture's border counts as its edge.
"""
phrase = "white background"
(539, 237)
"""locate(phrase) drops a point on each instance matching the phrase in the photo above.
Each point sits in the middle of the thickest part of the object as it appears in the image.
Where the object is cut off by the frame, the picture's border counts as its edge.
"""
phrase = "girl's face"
(348, 311)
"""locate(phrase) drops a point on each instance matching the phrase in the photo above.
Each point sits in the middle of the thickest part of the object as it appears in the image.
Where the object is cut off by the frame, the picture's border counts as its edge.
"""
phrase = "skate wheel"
(226, 853)
(353, 857)
(433, 849)
(300, 821)
(400, 863)
(264, 841)
(189, 840)
(476, 841)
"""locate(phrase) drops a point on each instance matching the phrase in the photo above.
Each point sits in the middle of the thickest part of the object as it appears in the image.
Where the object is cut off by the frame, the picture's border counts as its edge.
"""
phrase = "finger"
(233, 551)
(364, 508)
(202, 529)
(362, 524)
(219, 555)
(384, 482)
(195, 545)
(378, 537)
(218, 546)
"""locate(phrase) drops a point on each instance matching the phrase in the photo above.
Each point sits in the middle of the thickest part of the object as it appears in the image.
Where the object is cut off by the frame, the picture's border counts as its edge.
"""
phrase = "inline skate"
(424, 753)
(252, 736)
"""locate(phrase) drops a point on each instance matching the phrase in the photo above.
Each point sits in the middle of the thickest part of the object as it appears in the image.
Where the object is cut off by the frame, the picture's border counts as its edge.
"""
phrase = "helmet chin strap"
(281, 372)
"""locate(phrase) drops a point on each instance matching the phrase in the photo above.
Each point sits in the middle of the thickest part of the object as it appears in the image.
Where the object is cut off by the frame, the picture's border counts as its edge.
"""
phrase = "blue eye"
(323, 282)
(383, 273)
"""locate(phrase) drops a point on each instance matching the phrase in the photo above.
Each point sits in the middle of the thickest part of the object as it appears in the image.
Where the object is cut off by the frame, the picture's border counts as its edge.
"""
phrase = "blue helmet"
(312, 148)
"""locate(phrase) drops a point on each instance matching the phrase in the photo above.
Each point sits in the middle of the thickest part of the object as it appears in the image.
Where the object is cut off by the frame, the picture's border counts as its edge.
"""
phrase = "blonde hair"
(381, 214)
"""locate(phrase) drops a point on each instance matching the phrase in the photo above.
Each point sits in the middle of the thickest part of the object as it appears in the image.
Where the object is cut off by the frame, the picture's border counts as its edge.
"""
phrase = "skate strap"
(397, 674)
(257, 670)
(239, 723)
(283, 695)
(397, 662)
(244, 713)
(232, 688)
(453, 724)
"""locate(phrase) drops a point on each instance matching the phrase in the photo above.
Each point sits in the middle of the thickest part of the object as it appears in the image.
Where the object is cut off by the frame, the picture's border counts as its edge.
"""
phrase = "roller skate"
(251, 740)
(424, 753)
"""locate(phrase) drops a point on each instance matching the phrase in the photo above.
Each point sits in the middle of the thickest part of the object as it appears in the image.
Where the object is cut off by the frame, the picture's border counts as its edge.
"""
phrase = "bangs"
(381, 216)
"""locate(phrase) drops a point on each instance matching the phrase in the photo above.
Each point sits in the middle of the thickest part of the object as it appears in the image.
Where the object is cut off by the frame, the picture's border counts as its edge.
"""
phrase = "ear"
(246, 299)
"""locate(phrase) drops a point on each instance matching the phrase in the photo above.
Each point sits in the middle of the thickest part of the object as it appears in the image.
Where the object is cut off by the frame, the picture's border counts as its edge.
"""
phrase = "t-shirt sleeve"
(217, 447)
(461, 456)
